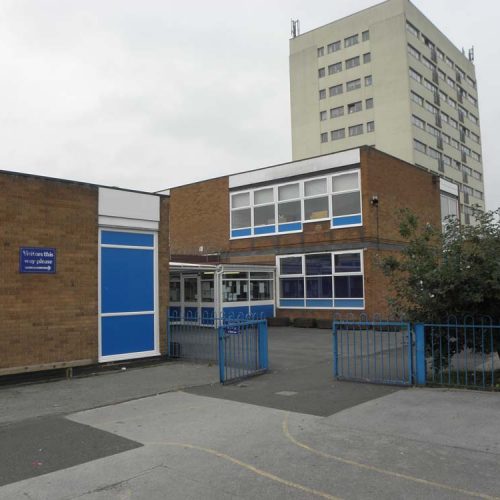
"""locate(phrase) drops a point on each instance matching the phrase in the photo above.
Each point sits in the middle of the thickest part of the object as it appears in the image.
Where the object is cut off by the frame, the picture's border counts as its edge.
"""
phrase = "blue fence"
(452, 354)
(459, 353)
(238, 345)
(373, 351)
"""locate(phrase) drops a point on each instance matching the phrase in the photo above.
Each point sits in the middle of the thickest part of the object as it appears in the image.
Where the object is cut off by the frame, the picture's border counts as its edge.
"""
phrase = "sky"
(155, 93)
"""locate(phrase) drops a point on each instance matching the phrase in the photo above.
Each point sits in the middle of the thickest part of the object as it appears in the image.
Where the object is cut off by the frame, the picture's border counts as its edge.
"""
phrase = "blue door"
(127, 301)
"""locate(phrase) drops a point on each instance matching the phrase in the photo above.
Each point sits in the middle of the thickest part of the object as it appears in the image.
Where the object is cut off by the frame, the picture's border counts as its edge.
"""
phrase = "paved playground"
(293, 433)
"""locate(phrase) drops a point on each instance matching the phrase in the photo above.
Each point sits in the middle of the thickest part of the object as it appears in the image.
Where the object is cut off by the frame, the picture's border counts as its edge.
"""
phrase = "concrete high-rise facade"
(387, 77)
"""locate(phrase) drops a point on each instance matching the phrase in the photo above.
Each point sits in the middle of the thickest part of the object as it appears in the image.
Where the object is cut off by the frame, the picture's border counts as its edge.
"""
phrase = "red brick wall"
(48, 318)
(163, 271)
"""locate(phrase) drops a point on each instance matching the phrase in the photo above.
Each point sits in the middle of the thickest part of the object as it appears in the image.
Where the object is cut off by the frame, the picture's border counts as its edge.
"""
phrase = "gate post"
(420, 371)
(222, 360)
(263, 357)
(335, 351)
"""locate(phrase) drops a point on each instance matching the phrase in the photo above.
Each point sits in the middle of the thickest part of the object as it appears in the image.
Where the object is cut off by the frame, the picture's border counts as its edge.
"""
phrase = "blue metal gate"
(373, 351)
(239, 346)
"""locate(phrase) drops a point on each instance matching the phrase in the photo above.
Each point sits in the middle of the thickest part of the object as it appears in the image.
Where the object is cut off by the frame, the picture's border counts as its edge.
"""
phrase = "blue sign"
(37, 260)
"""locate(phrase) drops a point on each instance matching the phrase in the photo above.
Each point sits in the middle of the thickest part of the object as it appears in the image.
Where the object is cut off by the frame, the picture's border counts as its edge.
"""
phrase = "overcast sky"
(151, 94)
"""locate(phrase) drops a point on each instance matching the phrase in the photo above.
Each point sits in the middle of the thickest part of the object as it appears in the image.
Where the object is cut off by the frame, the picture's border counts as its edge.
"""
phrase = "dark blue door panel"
(127, 280)
(127, 334)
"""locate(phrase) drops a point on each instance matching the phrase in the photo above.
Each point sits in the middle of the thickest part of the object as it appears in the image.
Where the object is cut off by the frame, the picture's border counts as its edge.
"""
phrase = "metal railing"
(373, 351)
(239, 345)
(461, 353)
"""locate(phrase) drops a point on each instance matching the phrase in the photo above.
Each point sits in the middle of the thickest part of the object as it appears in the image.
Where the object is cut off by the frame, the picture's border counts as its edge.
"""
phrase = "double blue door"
(128, 319)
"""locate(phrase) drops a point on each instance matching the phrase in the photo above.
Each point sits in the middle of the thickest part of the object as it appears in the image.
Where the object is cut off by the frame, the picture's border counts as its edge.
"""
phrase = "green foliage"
(455, 271)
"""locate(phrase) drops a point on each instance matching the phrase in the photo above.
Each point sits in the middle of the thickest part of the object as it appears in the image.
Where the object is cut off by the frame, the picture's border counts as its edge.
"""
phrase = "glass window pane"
(207, 291)
(289, 212)
(263, 196)
(316, 208)
(319, 287)
(348, 287)
(346, 204)
(240, 200)
(319, 264)
(289, 192)
(261, 290)
(263, 216)
(241, 218)
(292, 288)
(348, 263)
(261, 275)
(234, 290)
(317, 186)
(345, 182)
(190, 289)
(175, 291)
(291, 265)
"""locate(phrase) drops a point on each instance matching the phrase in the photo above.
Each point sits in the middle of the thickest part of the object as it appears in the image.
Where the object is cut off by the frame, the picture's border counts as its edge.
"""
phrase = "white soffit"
(448, 187)
(127, 208)
(308, 166)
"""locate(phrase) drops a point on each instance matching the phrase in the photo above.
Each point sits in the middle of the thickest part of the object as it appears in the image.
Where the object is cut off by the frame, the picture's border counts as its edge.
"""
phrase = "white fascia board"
(448, 187)
(129, 205)
(301, 167)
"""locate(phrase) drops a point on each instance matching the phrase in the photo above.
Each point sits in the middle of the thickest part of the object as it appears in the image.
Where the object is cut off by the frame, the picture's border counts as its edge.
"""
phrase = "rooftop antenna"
(295, 27)
(471, 54)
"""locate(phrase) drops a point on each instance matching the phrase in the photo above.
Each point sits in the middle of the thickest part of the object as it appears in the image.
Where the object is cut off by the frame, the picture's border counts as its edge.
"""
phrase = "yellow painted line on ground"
(372, 468)
(251, 468)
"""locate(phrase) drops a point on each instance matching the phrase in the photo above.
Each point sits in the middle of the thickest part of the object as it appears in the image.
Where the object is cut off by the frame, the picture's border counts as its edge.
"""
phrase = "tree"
(453, 270)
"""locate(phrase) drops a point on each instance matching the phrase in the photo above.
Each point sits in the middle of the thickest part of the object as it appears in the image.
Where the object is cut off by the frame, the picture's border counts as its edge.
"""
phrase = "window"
(321, 51)
(321, 72)
(432, 130)
(430, 86)
(369, 103)
(321, 280)
(336, 112)
(324, 137)
(356, 130)
(351, 40)
(333, 47)
(431, 108)
(336, 90)
(316, 199)
(418, 122)
(367, 57)
(419, 146)
(449, 62)
(413, 52)
(440, 54)
(370, 127)
(365, 36)
(449, 206)
(450, 82)
(241, 215)
(289, 205)
(416, 76)
(235, 287)
(354, 107)
(411, 29)
(335, 68)
(368, 80)
(338, 134)
(473, 119)
(352, 62)
(433, 153)
(416, 98)
(346, 198)
(322, 116)
(353, 85)
(322, 94)
(175, 290)
(428, 64)
(264, 210)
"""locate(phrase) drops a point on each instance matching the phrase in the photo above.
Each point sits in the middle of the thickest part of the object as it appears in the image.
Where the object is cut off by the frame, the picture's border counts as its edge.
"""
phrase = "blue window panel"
(191, 313)
(347, 220)
(291, 303)
(319, 303)
(263, 311)
(128, 239)
(207, 315)
(238, 233)
(290, 226)
(265, 230)
(174, 312)
(127, 280)
(235, 312)
(127, 334)
(358, 303)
